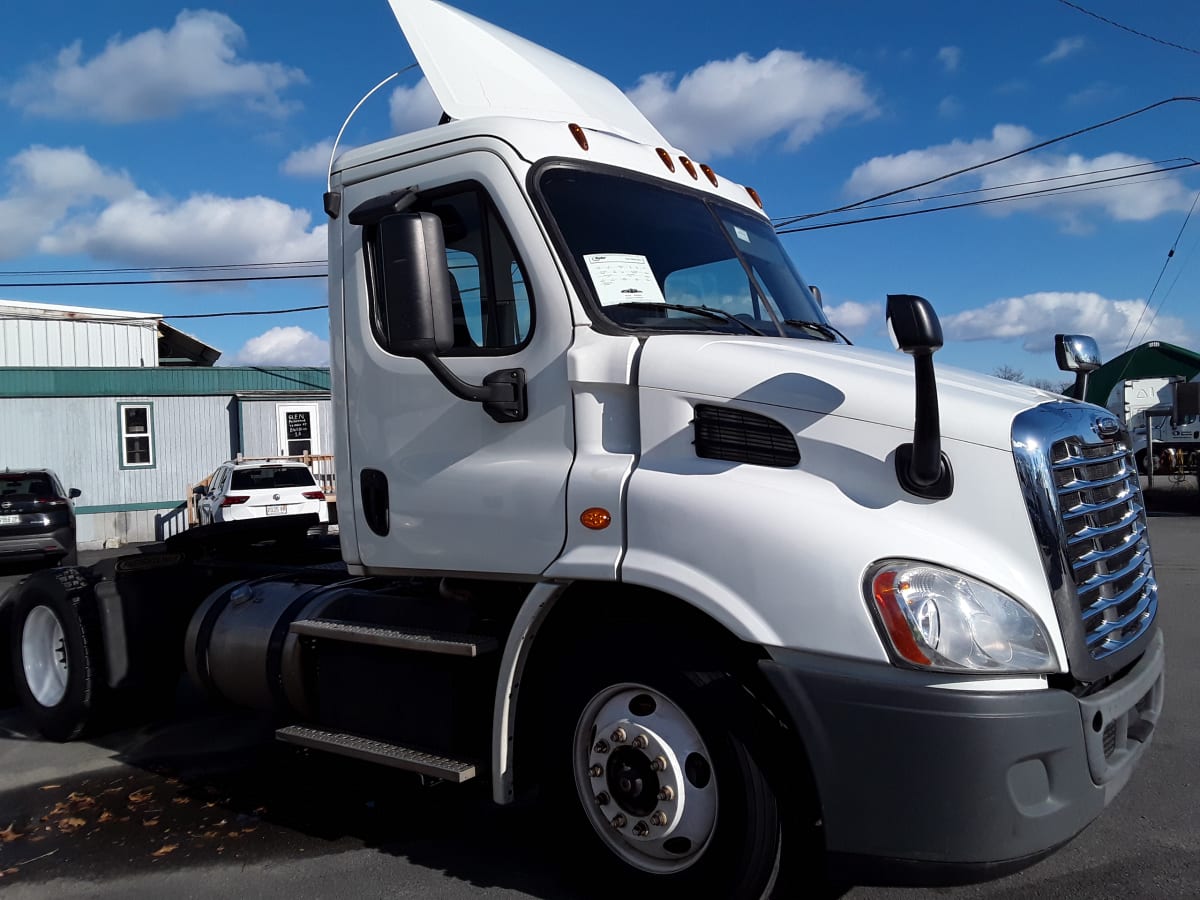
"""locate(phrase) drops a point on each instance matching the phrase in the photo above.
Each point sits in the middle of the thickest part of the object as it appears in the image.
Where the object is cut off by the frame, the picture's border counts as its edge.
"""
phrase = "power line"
(1095, 184)
(989, 162)
(45, 284)
(1166, 262)
(198, 268)
(1141, 34)
(152, 319)
(783, 220)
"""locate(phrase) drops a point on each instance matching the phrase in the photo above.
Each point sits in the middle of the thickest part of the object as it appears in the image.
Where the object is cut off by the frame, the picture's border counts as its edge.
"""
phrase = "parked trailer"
(624, 519)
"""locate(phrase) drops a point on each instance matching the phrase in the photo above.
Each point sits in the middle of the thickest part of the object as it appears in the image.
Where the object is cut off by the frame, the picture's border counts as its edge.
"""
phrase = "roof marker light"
(710, 174)
(754, 196)
(687, 164)
(580, 137)
(666, 158)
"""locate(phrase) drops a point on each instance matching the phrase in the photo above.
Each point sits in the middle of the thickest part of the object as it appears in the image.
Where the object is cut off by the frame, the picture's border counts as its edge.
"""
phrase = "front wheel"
(55, 649)
(672, 777)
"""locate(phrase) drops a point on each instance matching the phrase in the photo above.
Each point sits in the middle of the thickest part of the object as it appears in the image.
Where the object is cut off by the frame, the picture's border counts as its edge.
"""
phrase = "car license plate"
(10, 520)
(279, 510)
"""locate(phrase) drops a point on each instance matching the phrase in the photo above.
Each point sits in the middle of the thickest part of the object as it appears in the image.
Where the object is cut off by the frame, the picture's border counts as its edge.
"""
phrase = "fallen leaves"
(49, 787)
(164, 850)
(71, 823)
(10, 834)
(141, 796)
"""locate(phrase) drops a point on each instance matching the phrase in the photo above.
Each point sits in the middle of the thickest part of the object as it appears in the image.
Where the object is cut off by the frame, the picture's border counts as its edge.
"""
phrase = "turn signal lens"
(595, 518)
(580, 137)
(233, 500)
(687, 164)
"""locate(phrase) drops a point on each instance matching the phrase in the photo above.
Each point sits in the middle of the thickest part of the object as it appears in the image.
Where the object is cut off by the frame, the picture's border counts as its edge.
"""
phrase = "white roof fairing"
(478, 69)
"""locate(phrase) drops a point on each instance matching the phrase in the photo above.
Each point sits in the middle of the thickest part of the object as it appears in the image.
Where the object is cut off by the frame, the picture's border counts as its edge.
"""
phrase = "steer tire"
(56, 653)
(745, 854)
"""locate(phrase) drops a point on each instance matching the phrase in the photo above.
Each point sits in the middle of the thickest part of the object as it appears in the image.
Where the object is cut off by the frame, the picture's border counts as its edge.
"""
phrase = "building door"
(299, 434)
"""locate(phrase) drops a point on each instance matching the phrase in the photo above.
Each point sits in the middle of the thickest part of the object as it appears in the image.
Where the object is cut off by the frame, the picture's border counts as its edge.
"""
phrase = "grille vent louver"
(736, 435)
(1107, 550)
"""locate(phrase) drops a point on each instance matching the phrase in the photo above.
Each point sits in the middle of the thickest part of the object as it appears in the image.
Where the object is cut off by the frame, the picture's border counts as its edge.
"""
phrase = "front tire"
(671, 781)
(55, 654)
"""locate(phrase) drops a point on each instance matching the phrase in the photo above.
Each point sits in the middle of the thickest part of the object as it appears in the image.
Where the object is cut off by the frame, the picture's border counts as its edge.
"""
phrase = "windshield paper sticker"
(623, 278)
(741, 234)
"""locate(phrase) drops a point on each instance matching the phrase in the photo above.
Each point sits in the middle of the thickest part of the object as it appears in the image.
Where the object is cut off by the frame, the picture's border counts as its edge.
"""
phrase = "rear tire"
(692, 785)
(55, 650)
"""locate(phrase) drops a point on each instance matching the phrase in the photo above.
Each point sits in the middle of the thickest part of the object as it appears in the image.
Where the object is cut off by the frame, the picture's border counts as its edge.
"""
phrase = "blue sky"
(139, 134)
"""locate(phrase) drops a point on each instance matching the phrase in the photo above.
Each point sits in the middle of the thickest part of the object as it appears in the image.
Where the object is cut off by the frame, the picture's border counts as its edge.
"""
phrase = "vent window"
(736, 435)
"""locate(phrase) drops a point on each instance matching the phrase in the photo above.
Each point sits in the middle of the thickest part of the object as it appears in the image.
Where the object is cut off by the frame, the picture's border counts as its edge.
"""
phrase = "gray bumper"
(48, 544)
(925, 785)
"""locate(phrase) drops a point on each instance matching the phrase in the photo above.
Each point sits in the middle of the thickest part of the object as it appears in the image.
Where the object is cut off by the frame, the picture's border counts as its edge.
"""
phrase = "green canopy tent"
(1154, 359)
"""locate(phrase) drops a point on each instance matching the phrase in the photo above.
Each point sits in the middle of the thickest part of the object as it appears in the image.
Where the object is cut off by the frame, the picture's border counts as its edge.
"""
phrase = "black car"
(37, 519)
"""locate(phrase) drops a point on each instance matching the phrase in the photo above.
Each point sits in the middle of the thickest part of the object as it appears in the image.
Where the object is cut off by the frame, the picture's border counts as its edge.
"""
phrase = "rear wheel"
(55, 654)
(668, 775)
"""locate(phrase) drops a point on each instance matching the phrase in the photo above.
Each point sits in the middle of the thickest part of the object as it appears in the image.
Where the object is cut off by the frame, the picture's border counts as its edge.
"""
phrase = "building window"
(137, 435)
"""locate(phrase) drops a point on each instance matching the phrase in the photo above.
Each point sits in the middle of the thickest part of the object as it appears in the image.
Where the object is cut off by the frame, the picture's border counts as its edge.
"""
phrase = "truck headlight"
(935, 618)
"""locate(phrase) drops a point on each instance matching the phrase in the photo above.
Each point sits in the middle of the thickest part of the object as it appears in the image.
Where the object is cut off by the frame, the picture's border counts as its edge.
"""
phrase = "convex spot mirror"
(1076, 353)
(413, 293)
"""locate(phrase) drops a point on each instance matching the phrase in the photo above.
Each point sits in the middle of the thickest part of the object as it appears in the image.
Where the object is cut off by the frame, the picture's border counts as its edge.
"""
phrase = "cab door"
(461, 492)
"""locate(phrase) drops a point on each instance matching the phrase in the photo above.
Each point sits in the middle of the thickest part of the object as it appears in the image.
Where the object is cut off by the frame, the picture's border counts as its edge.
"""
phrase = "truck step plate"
(386, 754)
(406, 639)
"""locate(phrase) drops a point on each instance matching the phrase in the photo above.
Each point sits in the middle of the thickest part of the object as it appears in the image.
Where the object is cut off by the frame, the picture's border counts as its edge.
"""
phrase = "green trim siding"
(128, 507)
(158, 382)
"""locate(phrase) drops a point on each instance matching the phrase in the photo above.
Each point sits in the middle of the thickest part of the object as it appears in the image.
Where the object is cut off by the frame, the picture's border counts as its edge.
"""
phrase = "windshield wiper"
(820, 327)
(707, 311)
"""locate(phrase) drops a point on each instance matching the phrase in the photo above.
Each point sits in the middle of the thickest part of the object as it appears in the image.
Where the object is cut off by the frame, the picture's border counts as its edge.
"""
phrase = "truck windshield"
(662, 259)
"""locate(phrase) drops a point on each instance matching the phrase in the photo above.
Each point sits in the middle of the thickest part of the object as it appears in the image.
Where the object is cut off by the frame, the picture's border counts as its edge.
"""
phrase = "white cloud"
(949, 107)
(61, 201)
(1034, 318)
(288, 345)
(1122, 201)
(155, 74)
(414, 108)
(853, 317)
(1064, 48)
(950, 57)
(309, 161)
(729, 105)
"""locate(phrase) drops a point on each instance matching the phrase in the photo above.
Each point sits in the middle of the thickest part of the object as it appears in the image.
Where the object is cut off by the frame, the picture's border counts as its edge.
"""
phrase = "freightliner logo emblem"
(1107, 427)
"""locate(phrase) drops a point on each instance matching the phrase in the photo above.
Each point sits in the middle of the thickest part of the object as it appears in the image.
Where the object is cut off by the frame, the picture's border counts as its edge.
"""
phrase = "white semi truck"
(1147, 407)
(624, 521)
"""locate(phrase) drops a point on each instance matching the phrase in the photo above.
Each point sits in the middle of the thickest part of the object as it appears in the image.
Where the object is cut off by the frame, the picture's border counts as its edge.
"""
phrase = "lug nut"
(641, 829)
(640, 742)
(618, 821)
(602, 799)
(618, 736)
(659, 818)
(659, 763)
(601, 747)
(596, 771)
(666, 793)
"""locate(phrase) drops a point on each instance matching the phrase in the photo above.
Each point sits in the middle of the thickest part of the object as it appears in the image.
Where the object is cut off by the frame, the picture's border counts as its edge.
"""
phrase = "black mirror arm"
(502, 393)
(921, 467)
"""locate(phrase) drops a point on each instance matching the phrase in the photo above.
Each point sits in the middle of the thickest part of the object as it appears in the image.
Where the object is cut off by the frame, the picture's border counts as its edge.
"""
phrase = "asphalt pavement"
(204, 804)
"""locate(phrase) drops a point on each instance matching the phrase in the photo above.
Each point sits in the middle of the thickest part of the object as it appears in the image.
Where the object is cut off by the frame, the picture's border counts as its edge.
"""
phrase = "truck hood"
(835, 380)
(477, 69)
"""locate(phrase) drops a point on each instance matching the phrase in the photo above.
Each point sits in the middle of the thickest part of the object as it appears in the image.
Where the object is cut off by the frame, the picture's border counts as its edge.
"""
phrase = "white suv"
(252, 490)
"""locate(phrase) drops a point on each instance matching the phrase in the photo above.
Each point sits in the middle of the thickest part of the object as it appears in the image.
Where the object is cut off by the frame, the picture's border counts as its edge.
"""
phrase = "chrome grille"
(1104, 522)
(1089, 523)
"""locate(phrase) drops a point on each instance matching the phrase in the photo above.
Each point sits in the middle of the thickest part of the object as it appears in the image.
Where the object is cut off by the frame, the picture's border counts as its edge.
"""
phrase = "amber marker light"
(580, 137)
(709, 174)
(687, 164)
(754, 196)
(884, 588)
(666, 158)
(596, 518)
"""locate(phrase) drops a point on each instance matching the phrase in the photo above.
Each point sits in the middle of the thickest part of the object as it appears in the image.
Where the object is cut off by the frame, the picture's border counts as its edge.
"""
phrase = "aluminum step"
(381, 752)
(401, 639)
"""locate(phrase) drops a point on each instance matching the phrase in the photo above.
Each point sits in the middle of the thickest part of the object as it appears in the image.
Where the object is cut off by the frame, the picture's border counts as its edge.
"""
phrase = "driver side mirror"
(412, 302)
(1080, 354)
(73, 493)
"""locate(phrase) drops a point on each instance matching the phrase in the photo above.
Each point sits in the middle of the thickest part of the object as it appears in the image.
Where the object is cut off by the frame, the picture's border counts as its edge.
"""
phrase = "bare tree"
(1008, 373)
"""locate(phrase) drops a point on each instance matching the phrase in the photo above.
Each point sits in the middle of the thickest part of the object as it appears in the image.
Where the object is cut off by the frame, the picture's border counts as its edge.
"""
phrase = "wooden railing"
(321, 465)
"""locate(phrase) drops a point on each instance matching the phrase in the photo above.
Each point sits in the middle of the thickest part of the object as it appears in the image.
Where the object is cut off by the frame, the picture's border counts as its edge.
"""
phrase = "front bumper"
(923, 785)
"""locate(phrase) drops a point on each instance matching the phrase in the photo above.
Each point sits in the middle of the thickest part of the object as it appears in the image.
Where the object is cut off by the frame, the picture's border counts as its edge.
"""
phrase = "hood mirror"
(1080, 354)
